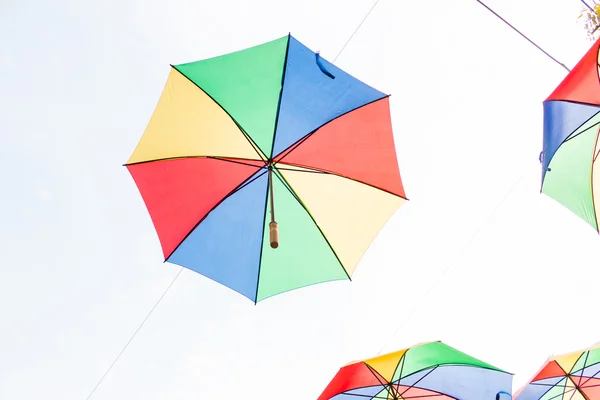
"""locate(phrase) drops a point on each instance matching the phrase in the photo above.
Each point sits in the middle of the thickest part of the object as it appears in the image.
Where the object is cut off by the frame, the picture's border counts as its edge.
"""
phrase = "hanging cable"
(493, 212)
(594, 12)
(588, 6)
(134, 333)
(526, 38)
(356, 30)
(453, 262)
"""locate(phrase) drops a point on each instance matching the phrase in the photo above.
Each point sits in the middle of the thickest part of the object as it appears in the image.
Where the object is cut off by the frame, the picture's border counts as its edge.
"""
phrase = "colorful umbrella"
(268, 169)
(571, 127)
(574, 376)
(429, 371)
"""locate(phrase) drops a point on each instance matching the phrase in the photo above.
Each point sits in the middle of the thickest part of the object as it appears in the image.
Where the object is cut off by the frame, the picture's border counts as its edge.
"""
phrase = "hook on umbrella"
(321, 67)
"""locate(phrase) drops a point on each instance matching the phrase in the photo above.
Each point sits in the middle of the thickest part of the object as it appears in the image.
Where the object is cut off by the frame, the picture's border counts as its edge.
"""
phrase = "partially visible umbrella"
(268, 169)
(428, 371)
(570, 171)
(573, 376)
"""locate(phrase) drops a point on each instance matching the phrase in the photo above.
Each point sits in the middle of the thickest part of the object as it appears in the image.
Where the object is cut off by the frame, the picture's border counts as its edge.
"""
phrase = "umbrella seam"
(246, 135)
(283, 74)
(564, 141)
(592, 164)
(227, 159)
(583, 131)
(262, 243)
(239, 187)
(327, 172)
(298, 142)
(297, 197)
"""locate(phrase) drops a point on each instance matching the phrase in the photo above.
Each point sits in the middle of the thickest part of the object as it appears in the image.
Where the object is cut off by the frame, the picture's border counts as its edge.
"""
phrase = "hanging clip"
(321, 67)
(502, 394)
(541, 158)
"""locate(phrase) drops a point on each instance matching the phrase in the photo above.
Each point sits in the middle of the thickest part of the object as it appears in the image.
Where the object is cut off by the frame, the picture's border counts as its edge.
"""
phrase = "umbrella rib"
(587, 355)
(376, 375)
(435, 393)
(246, 183)
(287, 50)
(313, 170)
(574, 392)
(581, 103)
(566, 376)
(231, 193)
(401, 365)
(293, 192)
(287, 185)
(226, 159)
(592, 184)
(590, 386)
(262, 242)
(384, 383)
(583, 131)
(361, 395)
(560, 394)
(295, 145)
(592, 173)
(549, 386)
(565, 392)
(235, 161)
(252, 143)
(591, 377)
(564, 141)
(418, 380)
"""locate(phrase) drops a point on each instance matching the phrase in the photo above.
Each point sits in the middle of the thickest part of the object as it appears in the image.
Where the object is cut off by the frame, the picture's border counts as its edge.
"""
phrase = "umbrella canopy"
(574, 376)
(268, 169)
(429, 371)
(571, 127)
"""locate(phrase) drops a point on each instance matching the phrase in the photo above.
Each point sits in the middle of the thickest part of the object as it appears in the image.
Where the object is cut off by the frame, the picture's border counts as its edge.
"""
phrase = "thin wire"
(519, 32)
(593, 11)
(356, 30)
(587, 5)
(451, 264)
(134, 333)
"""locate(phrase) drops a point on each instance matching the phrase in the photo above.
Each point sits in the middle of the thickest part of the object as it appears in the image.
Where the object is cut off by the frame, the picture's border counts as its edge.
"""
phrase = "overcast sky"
(82, 265)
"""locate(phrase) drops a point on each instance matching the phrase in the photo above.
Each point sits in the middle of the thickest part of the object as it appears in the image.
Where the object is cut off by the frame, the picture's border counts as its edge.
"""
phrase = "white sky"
(81, 262)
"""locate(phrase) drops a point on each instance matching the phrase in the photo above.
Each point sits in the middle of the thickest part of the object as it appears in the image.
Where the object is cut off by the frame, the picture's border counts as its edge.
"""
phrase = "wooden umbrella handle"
(274, 235)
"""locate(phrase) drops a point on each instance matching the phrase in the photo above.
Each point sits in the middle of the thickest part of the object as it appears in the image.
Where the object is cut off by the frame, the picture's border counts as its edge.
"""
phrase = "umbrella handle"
(499, 395)
(274, 235)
